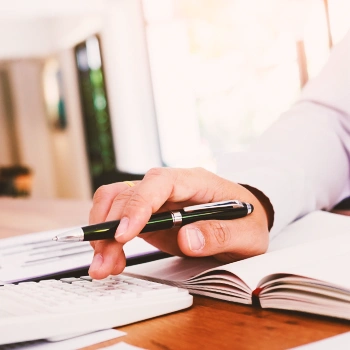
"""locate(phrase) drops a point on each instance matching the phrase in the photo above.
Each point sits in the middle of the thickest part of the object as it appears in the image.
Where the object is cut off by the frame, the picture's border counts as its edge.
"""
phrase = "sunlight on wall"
(340, 24)
(235, 69)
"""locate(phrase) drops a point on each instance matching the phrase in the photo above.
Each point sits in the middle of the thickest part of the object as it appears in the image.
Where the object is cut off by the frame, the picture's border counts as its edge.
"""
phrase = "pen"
(225, 210)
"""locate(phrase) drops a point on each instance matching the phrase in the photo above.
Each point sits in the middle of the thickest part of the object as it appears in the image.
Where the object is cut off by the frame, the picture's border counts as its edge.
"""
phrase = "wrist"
(265, 202)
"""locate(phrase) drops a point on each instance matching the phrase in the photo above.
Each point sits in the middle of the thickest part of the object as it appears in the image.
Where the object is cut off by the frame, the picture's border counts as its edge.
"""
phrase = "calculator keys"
(74, 294)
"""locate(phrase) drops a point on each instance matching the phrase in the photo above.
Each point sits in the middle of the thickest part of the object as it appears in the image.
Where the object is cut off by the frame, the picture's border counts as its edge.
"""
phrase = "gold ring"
(130, 183)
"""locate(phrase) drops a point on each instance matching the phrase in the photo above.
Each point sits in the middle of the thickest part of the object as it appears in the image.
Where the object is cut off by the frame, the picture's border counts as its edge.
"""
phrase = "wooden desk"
(214, 324)
(208, 324)
(20, 216)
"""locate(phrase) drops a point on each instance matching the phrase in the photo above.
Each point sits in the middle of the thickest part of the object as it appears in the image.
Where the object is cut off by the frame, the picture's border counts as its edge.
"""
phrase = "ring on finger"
(129, 183)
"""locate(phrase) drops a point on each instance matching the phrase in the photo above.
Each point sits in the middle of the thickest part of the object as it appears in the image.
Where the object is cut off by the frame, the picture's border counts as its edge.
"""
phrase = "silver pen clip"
(223, 204)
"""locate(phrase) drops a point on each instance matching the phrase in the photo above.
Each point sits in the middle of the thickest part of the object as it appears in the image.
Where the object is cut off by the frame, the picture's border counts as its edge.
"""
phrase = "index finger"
(160, 185)
(103, 199)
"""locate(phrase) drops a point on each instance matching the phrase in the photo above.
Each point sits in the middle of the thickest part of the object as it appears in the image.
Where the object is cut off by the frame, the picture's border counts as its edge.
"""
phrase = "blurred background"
(93, 92)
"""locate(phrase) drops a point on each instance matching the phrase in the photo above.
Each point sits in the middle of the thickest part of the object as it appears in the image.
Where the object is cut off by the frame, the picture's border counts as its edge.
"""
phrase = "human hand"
(164, 189)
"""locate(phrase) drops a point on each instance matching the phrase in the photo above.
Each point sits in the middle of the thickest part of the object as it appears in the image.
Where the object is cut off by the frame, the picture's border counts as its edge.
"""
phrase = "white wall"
(38, 28)
(129, 87)
(175, 100)
(57, 157)
(69, 145)
(25, 38)
(32, 129)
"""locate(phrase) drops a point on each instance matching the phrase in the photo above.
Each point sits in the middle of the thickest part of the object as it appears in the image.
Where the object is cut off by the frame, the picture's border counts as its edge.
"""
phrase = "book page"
(290, 260)
(202, 276)
(321, 238)
(320, 287)
(174, 269)
(312, 227)
(309, 240)
(333, 271)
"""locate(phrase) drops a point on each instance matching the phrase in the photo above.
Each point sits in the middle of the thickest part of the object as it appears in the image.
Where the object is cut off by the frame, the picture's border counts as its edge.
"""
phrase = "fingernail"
(195, 238)
(122, 227)
(97, 261)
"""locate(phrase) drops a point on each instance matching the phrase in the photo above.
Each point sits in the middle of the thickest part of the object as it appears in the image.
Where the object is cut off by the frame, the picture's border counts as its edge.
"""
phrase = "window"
(339, 21)
(224, 70)
(97, 124)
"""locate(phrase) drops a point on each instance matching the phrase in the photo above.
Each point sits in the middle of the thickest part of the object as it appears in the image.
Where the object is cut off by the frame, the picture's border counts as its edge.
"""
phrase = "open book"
(306, 269)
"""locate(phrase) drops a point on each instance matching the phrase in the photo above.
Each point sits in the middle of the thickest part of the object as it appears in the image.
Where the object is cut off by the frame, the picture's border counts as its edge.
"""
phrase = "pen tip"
(54, 238)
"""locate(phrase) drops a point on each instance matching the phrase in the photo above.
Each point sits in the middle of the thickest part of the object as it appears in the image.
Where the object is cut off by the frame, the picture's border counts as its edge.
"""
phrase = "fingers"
(109, 259)
(134, 206)
(159, 186)
(102, 201)
(105, 196)
(165, 241)
(228, 240)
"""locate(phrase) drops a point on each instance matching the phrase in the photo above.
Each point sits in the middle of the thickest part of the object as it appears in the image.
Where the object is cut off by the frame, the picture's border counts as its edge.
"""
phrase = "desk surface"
(20, 216)
(208, 324)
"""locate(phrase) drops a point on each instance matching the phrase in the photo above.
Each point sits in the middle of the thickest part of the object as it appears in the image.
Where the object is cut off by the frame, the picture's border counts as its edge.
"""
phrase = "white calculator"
(53, 308)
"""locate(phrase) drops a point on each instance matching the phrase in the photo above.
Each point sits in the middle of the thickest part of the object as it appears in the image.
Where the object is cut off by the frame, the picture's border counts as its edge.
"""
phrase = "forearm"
(312, 146)
(300, 164)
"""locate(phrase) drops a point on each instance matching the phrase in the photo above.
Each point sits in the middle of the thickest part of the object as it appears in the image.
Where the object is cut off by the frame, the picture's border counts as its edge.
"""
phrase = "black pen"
(226, 210)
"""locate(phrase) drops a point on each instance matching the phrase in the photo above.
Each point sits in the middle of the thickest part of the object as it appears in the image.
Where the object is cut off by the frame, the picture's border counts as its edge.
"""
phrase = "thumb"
(228, 240)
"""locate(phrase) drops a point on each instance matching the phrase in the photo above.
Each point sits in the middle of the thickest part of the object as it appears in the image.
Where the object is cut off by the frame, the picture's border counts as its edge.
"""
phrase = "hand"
(164, 189)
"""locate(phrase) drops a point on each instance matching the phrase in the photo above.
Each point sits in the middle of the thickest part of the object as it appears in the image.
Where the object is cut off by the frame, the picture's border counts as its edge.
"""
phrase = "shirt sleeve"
(301, 163)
